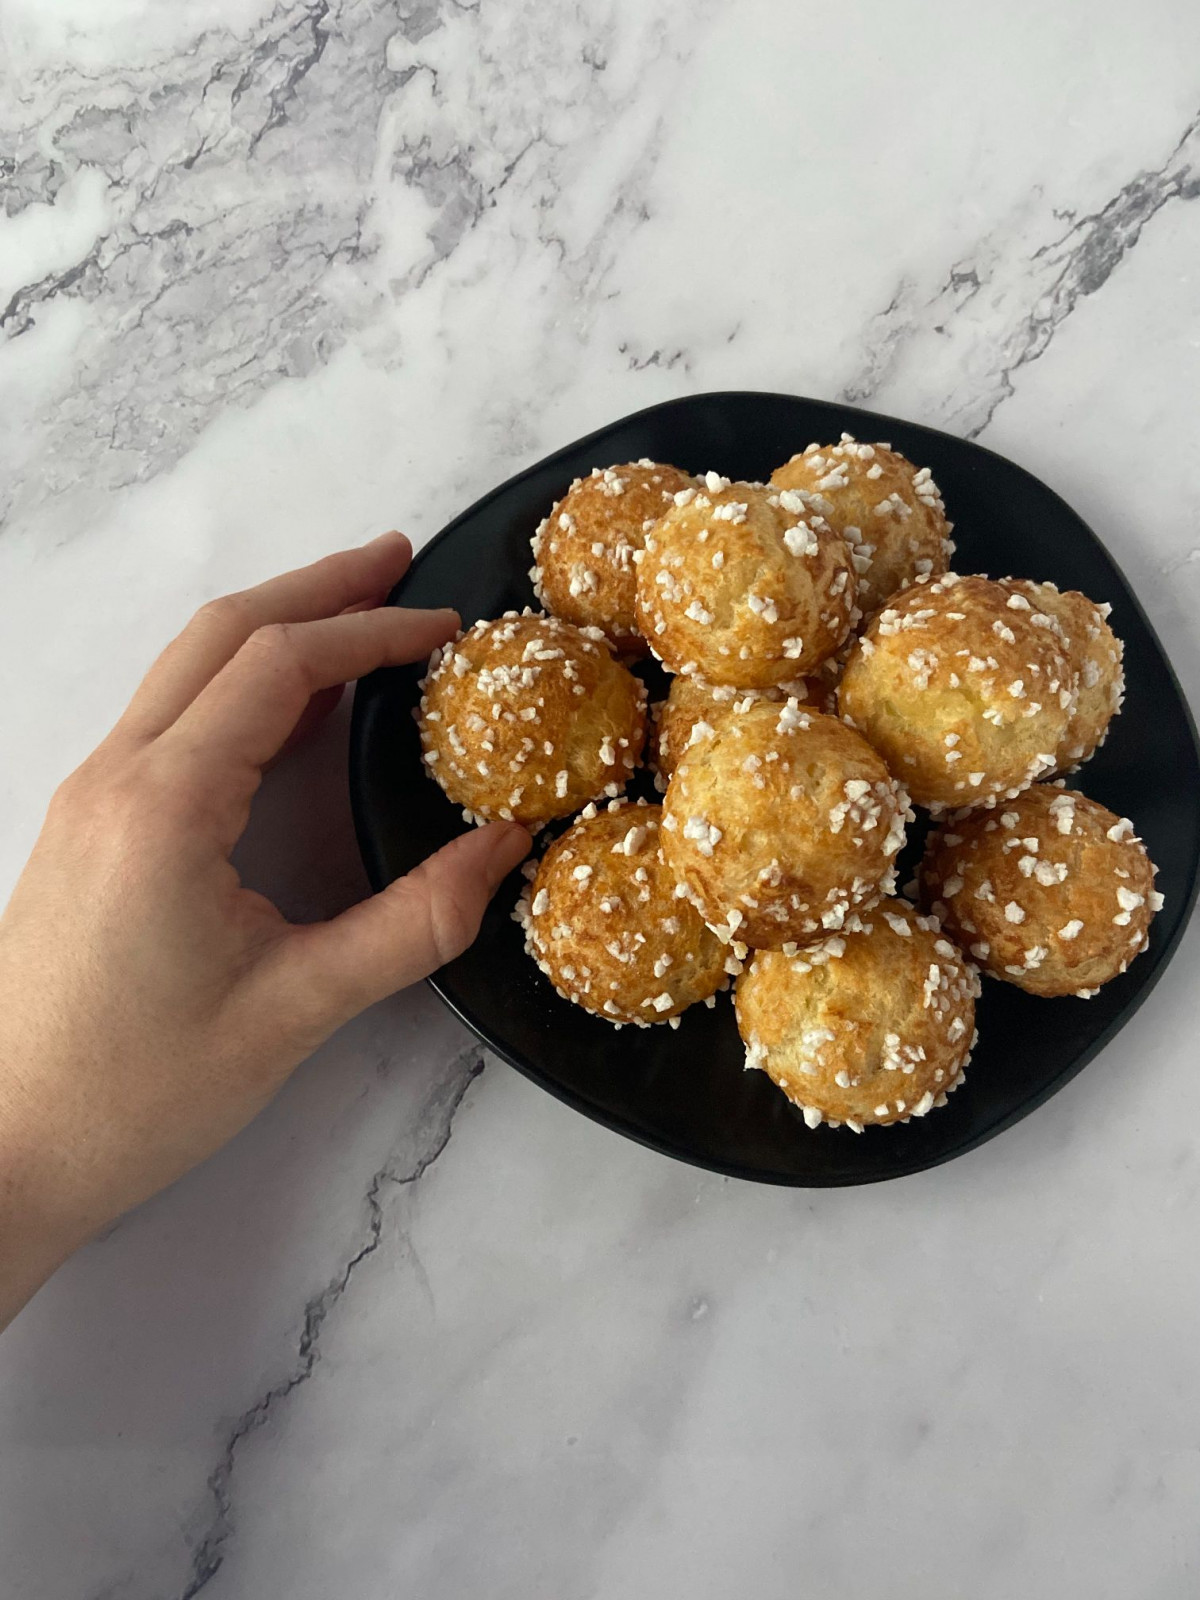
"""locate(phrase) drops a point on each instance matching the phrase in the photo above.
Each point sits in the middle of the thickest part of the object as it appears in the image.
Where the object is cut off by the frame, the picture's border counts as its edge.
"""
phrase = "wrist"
(43, 1219)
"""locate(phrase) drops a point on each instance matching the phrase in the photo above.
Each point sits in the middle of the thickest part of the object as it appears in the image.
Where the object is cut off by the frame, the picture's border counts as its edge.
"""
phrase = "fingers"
(331, 971)
(349, 579)
(245, 715)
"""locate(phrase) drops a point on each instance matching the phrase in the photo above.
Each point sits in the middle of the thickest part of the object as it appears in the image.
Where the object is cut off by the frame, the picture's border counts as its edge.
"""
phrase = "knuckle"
(453, 923)
(275, 649)
(91, 803)
(87, 785)
(276, 641)
(71, 796)
(221, 614)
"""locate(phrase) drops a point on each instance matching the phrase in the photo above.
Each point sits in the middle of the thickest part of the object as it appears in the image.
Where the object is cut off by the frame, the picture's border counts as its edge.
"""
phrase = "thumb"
(335, 969)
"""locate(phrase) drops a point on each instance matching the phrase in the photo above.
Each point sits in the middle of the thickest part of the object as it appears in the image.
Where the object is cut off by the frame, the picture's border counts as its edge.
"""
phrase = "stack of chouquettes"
(829, 673)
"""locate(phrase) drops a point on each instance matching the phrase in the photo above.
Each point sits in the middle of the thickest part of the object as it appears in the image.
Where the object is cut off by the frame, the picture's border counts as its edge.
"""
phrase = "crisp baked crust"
(875, 1026)
(694, 709)
(1096, 656)
(782, 825)
(888, 511)
(583, 552)
(1053, 893)
(964, 688)
(604, 923)
(742, 585)
(529, 717)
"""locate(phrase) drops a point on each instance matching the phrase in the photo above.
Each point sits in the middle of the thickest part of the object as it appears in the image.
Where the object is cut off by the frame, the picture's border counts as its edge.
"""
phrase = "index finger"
(219, 629)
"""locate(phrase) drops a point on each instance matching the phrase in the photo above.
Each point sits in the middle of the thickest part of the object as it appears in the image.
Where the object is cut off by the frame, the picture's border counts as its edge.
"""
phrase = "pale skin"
(150, 1005)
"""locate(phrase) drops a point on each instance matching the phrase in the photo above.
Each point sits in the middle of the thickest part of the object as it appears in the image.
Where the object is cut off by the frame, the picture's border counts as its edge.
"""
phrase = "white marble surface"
(280, 276)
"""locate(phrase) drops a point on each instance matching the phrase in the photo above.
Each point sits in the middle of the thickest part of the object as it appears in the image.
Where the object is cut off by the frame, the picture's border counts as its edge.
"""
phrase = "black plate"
(684, 1091)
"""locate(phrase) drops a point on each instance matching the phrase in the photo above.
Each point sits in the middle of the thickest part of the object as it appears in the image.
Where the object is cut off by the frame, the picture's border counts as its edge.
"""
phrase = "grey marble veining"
(1026, 286)
(232, 183)
(273, 277)
(402, 1168)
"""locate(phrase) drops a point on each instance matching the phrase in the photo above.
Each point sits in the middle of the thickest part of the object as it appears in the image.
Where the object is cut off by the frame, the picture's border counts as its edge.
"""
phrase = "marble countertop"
(275, 277)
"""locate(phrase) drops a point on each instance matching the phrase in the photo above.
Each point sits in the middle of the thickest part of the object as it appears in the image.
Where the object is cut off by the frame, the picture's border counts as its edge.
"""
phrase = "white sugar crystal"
(801, 540)
(763, 606)
(791, 718)
(1062, 808)
(703, 833)
(733, 511)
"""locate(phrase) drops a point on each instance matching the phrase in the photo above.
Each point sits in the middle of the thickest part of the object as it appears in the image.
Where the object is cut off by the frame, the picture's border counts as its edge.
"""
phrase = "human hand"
(150, 1005)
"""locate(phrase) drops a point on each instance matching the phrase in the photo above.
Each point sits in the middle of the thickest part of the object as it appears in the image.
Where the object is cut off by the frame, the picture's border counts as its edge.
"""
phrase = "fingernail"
(393, 536)
(507, 837)
(522, 838)
(444, 616)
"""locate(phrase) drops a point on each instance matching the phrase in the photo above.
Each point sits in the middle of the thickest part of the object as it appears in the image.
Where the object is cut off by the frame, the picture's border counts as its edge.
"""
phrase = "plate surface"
(684, 1091)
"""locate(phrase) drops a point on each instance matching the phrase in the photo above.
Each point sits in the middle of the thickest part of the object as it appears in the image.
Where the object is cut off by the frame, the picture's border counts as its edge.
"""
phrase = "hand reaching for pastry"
(150, 1005)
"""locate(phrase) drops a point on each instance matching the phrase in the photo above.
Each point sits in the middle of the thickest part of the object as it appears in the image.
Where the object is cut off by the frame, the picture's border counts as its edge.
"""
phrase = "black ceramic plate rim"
(378, 878)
